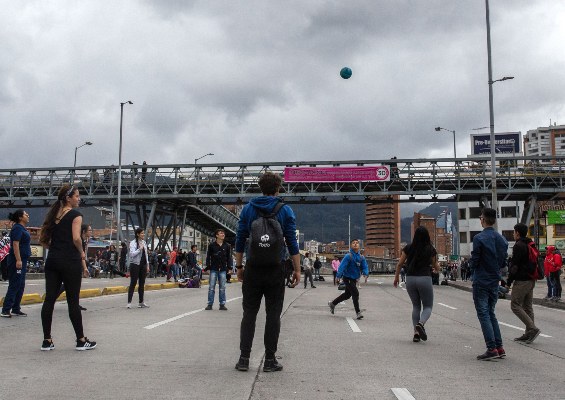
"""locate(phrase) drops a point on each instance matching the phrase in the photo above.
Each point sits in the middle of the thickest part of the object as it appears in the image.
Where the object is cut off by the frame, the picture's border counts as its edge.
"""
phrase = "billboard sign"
(504, 143)
(337, 174)
(556, 217)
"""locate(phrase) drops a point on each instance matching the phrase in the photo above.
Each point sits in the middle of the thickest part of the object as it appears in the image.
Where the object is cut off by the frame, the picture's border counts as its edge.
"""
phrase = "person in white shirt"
(139, 267)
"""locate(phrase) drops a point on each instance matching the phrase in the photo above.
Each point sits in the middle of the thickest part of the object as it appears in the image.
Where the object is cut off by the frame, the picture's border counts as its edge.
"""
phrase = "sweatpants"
(68, 272)
(421, 294)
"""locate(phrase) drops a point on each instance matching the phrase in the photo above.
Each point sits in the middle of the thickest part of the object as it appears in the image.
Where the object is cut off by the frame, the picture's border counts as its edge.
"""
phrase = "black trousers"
(137, 272)
(350, 291)
(69, 273)
(259, 282)
(556, 276)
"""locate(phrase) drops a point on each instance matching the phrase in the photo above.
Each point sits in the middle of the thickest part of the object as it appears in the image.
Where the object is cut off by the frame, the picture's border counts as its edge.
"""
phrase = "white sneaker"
(142, 305)
(129, 305)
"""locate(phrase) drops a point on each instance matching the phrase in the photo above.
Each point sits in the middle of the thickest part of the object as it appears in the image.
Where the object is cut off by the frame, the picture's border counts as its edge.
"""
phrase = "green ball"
(345, 73)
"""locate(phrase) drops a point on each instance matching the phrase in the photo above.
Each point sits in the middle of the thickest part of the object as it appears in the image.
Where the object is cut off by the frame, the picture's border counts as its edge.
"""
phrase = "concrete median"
(153, 286)
(90, 293)
(114, 290)
(32, 298)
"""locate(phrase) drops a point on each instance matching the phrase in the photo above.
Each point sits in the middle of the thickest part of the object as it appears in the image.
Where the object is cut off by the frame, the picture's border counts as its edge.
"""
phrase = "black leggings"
(69, 273)
(350, 291)
(137, 272)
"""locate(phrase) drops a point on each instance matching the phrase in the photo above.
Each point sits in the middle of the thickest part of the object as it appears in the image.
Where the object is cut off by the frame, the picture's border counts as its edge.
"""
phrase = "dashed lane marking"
(520, 329)
(402, 394)
(445, 305)
(353, 325)
(157, 324)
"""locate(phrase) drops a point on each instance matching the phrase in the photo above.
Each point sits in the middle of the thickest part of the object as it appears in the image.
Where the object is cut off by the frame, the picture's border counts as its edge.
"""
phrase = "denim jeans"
(219, 276)
(16, 286)
(550, 286)
(485, 299)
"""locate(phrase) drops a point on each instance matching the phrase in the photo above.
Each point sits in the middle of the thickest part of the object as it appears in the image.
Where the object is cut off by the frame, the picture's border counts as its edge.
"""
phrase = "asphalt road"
(176, 350)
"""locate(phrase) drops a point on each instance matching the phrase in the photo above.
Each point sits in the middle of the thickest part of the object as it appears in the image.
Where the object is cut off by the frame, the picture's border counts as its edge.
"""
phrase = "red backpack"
(534, 265)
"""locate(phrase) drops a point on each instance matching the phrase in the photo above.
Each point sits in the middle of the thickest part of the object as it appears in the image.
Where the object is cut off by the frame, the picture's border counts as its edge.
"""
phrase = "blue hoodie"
(266, 204)
(352, 265)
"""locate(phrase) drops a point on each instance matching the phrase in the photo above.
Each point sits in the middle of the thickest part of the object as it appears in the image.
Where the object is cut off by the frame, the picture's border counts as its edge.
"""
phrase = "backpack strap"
(273, 213)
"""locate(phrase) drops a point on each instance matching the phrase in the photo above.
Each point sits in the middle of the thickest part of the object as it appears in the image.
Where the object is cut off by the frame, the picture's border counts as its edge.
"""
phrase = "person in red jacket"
(553, 264)
(172, 267)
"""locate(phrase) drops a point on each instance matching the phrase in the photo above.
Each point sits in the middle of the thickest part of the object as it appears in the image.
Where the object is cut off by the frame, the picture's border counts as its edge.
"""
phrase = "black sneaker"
(359, 315)
(242, 364)
(47, 345)
(82, 308)
(86, 345)
(208, 307)
(5, 315)
(416, 338)
(272, 365)
(313, 287)
(332, 306)
(19, 314)
(522, 338)
(421, 331)
(223, 307)
(532, 336)
(488, 355)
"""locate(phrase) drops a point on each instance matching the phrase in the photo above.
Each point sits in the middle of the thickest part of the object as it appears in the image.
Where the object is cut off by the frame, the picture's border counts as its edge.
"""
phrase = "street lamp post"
(439, 129)
(76, 149)
(494, 199)
(118, 225)
(201, 157)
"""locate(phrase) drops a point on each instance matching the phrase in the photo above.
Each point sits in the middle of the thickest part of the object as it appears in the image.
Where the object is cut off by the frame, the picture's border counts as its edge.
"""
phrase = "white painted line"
(445, 305)
(157, 324)
(353, 325)
(402, 394)
(520, 329)
(540, 306)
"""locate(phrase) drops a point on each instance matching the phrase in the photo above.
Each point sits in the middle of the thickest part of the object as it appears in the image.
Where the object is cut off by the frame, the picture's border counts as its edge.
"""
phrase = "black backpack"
(266, 240)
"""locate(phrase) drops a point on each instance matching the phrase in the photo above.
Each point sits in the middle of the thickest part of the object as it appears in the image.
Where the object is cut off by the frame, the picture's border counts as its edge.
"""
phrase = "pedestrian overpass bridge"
(168, 195)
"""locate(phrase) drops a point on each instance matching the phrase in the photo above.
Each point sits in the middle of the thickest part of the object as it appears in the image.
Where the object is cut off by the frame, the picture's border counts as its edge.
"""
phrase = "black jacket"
(520, 267)
(218, 258)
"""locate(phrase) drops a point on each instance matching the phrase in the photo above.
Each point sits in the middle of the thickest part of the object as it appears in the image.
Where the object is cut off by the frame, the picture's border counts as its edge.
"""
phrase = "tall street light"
(76, 149)
(439, 129)
(494, 200)
(205, 155)
(118, 225)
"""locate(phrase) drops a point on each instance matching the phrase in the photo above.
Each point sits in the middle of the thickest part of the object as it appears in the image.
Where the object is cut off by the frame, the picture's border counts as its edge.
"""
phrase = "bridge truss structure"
(170, 196)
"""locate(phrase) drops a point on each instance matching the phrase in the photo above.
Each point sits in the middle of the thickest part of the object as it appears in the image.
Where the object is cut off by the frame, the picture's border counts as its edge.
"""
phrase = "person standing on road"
(552, 264)
(172, 265)
(138, 267)
(488, 256)
(418, 259)
(520, 274)
(265, 280)
(317, 267)
(218, 261)
(307, 265)
(350, 270)
(19, 253)
(66, 263)
(335, 266)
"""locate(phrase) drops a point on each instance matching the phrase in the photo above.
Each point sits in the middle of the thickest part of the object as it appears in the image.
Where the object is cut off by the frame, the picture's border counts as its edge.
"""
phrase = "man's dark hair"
(521, 229)
(270, 183)
(193, 247)
(218, 231)
(489, 215)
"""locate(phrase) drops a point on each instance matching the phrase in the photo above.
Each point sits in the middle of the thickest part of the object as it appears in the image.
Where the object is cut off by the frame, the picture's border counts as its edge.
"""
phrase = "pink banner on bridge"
(336, 174)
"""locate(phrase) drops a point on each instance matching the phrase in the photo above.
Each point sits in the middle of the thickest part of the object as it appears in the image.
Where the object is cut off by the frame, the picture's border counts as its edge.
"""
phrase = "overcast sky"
(258, 80)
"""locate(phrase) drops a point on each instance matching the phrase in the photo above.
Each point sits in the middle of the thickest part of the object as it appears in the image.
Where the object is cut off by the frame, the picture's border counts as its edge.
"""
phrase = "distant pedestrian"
(317, 267)
(123, 257)
(4, 250)
(20, 252)
(218, 261)
(138, 267)
(66, 263)
(464, 269)
(490, 250)
(172, 267)
(352, 266)
(335, 266)
(308, 269)
(553, 264)
(520, 273)
(419, 259)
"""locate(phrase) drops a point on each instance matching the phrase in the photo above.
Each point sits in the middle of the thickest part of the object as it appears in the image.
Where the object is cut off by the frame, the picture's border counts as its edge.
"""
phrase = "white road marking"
(520, 329)
(402, 394)
(548, 308)
(353, 325)
(157, 324)
(445, 305)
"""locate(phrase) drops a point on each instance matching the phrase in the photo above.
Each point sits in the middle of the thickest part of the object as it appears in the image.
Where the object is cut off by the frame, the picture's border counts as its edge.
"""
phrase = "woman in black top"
(420, 258)
(66, 263)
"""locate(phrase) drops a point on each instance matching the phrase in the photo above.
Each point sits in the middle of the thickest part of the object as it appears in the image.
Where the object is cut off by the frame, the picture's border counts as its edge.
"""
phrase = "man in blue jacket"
(267, 281)
(490, 250)
(350, 270)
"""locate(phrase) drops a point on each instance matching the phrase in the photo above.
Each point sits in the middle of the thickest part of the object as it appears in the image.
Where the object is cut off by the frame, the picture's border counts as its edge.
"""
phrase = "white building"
(545, 141)
(509, 213)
